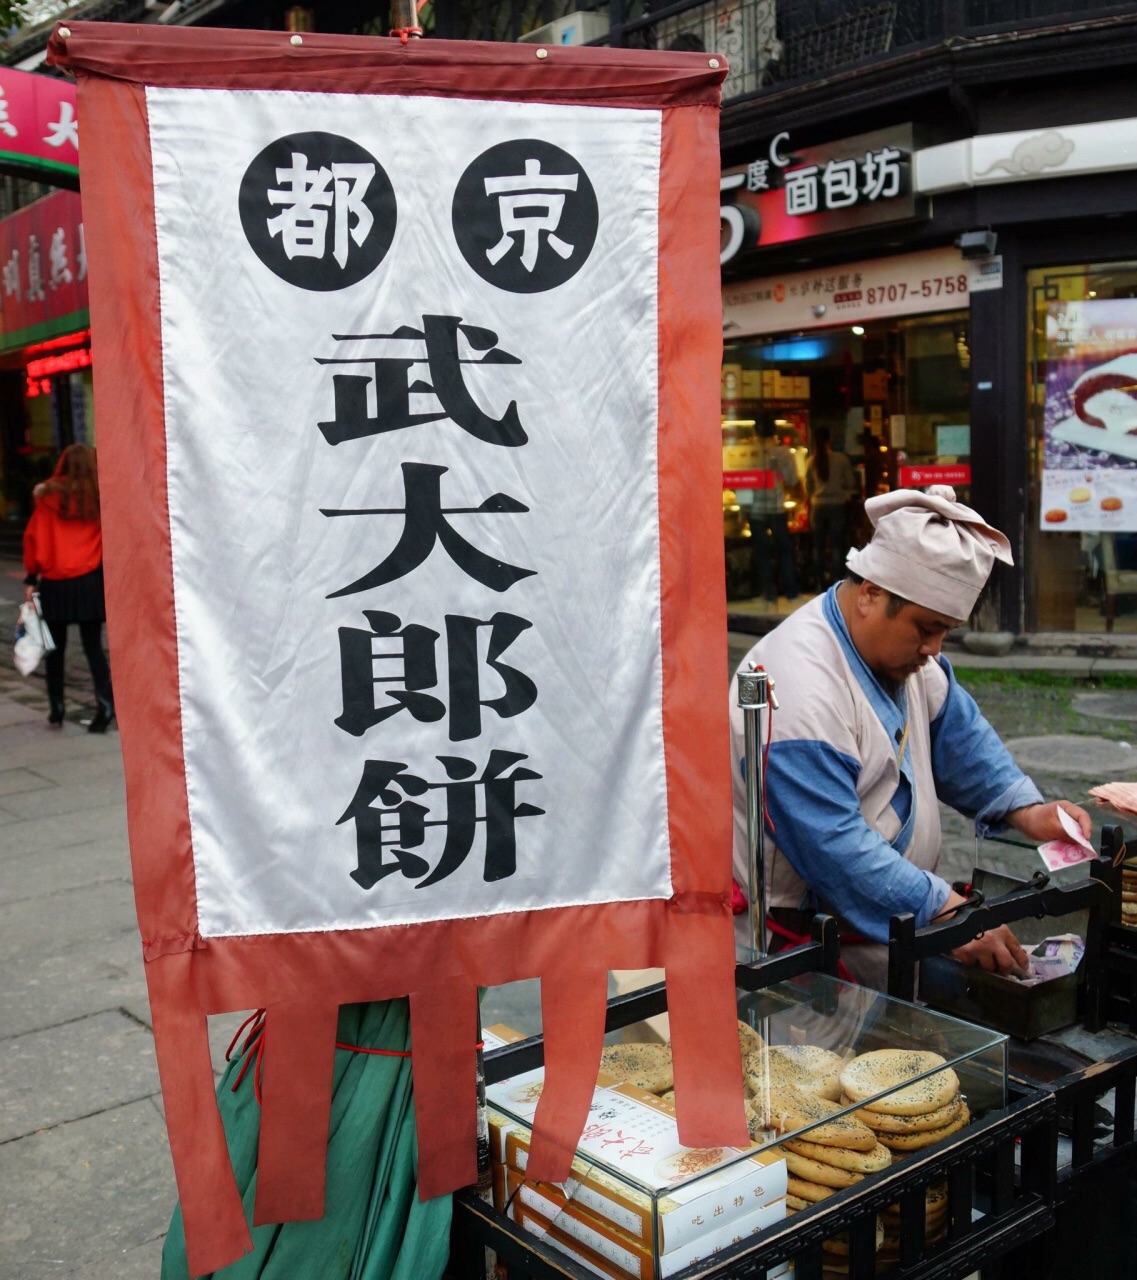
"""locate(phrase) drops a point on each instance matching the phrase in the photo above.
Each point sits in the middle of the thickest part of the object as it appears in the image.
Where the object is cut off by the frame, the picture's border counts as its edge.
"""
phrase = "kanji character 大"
(65, 129)
(436, 346)
(425, 524)
(410, 663)
(400, 825)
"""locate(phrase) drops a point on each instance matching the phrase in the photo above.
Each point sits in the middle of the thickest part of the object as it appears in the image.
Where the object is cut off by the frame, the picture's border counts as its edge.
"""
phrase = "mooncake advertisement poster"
(1089, 476)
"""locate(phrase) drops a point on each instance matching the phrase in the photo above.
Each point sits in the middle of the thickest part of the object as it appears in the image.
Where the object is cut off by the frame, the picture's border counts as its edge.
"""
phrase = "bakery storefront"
(873, 356)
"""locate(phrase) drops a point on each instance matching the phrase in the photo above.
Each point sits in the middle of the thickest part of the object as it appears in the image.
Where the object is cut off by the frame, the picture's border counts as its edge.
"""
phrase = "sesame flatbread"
(839, 1244)
(748, 1039)
(826, 1175)
(874, 1161)
(888, 1070)
(647, 1066)
(904, 1142)
(820, 1068)
(788, 1110)
(937, 1119)
(811, 1191)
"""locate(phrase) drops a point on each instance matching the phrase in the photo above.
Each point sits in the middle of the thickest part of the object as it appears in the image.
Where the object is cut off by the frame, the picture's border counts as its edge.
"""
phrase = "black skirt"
(73, 599)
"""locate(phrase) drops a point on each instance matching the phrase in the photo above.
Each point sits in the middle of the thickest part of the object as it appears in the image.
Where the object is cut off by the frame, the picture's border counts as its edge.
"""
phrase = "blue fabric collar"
(891, 711)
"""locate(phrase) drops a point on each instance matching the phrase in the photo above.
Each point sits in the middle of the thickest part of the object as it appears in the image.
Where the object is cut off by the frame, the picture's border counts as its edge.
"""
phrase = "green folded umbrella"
(374, 1225)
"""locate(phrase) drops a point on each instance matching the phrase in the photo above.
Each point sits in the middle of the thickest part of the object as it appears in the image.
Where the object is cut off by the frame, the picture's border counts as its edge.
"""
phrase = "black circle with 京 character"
(318, 210)
(525, 216)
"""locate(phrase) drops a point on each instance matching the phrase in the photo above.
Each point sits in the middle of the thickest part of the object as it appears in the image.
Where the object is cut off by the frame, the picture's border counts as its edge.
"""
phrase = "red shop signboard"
(39, 131)
(43, 270)
(917, 477)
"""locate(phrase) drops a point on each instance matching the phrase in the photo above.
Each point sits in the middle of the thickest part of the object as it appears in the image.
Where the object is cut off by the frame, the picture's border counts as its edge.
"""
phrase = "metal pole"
(404, 17)
(755, 695)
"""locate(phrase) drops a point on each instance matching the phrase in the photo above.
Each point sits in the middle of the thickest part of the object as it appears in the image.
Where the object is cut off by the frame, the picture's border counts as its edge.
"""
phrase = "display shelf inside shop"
(640, 1204)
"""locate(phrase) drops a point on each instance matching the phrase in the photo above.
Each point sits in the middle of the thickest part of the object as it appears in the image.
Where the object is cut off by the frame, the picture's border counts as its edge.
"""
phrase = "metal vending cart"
(991, 1201)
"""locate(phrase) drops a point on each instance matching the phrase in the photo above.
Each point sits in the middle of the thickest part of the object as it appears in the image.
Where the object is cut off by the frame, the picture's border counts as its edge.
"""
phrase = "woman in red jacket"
(63, 556)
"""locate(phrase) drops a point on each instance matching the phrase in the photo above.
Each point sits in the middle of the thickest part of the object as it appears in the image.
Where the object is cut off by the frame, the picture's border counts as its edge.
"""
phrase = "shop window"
(1081, 545)
(888, 396)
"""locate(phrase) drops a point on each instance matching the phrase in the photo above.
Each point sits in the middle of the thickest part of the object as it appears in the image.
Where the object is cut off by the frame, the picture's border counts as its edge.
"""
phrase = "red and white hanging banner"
(413, 475)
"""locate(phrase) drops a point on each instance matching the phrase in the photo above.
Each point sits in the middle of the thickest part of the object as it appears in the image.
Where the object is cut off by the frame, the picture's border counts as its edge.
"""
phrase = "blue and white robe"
(852, 800)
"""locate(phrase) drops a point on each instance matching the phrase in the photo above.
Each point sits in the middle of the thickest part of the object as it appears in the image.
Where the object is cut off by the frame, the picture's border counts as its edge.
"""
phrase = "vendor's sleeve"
(817, 824)
(974, 772)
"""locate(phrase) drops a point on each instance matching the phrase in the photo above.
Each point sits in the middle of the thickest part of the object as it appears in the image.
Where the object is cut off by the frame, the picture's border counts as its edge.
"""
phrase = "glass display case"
(824, 1063)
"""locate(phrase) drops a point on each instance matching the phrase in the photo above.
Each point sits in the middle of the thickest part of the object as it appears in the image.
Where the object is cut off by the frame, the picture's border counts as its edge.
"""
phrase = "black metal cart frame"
(1067, 1181)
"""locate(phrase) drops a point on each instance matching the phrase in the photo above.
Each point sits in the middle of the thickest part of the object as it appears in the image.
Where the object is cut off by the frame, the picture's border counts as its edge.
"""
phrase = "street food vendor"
(871, 728)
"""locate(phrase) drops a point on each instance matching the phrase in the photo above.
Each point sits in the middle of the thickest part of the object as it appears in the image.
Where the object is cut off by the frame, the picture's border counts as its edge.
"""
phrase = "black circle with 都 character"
(525, 216)
(318, 210)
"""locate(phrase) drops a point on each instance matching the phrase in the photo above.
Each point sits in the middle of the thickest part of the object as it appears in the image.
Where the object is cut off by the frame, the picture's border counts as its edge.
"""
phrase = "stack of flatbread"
(1129, 896)
(648, 1065)
(910, 1116)
(908, 1119)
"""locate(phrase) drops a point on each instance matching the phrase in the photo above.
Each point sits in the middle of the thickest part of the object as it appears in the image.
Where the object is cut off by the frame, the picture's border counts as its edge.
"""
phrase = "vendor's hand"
(997, 950)
(1040, 822)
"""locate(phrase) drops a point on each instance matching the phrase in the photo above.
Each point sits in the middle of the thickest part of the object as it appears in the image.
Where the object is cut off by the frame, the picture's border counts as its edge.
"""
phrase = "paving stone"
(13, 713)
(74, 798)
(74, 1070)
(1121, 704)
(61, 830)
(78, 770)
(42, 989)
(141, 1263)
(32, 745)
(62, 919)
(55, 870)
(1075, 755)
(17, 781)
(90, 1199)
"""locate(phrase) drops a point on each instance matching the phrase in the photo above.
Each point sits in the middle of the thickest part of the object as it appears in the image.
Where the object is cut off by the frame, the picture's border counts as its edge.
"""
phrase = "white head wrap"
(929, 549)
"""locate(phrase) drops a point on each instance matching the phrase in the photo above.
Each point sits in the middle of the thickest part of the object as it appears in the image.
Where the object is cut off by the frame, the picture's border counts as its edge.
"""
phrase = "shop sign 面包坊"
(786, 194)
(853, 293)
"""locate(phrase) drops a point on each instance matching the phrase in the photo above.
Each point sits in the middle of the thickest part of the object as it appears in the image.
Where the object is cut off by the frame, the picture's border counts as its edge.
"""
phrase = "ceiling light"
(859, 330)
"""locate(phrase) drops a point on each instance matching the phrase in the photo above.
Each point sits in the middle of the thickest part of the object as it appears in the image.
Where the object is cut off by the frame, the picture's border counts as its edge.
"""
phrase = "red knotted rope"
(405, 33)
(255, 1040)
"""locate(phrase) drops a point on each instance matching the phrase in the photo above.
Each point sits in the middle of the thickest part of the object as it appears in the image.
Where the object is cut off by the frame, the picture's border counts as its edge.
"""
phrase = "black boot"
(103, 716)
(56, 716)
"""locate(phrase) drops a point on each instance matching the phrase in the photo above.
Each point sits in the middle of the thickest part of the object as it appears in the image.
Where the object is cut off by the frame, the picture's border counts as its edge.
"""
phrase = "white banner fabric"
(281, 796)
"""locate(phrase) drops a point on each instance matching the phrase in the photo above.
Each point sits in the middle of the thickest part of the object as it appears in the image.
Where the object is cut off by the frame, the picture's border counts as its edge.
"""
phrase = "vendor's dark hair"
(895, 602)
